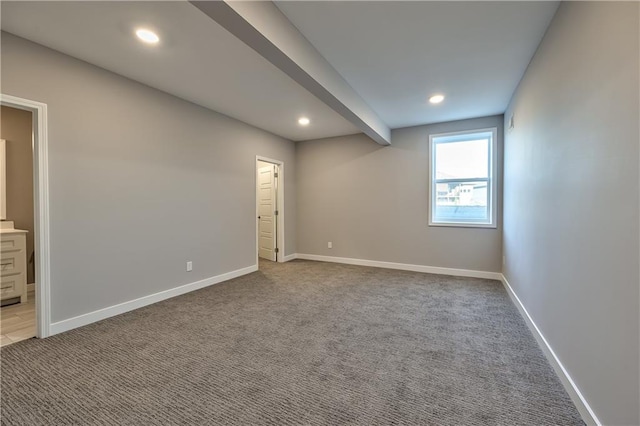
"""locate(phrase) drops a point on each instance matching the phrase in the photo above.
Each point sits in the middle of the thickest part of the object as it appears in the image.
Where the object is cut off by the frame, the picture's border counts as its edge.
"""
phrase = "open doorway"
(17, 226)
(269, 210)
(24, 228)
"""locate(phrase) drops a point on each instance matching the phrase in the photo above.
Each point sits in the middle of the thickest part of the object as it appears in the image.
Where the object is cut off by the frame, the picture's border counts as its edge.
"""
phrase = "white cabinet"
(13, 264)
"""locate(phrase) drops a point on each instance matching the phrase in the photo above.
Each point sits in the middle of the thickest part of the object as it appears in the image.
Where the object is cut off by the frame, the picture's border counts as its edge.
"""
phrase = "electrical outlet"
(189, 266)
(330, 244)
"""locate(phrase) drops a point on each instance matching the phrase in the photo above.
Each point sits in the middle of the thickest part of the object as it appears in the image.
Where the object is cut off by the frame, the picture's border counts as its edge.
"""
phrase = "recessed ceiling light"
(147, 36)
(303, 121)
(436, 99)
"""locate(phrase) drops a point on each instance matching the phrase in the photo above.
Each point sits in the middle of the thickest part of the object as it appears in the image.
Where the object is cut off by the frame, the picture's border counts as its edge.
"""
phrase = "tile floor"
(18, 322)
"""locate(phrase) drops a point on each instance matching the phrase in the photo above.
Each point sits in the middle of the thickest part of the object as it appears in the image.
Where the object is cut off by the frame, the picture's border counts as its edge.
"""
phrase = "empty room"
(320, 213)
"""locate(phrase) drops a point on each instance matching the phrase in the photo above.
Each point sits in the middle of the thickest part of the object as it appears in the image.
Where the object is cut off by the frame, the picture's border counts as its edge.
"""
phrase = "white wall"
(571, 221)
(140, 182)
(372, 203)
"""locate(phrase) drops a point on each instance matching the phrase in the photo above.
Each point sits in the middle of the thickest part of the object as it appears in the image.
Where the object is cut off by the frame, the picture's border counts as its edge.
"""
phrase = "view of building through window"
(461, 178)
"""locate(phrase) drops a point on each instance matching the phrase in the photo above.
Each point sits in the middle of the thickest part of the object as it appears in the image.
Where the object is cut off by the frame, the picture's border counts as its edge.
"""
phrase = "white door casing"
(266, 212)
(41, 206)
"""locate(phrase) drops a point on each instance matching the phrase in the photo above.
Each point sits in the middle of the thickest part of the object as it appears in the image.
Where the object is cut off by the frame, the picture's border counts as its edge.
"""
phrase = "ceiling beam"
(262, 26)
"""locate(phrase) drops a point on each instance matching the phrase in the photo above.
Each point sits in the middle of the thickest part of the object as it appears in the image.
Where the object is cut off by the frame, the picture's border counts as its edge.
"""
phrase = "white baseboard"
(580, 402)
(403, 266)
(290, 257)
(91, 317)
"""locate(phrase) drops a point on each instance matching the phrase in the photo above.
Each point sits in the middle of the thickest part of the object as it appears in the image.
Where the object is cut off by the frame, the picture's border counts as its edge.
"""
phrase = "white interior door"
(266, 212)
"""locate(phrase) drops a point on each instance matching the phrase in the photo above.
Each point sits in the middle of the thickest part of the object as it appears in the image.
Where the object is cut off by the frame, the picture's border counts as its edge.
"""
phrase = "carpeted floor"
(306, 343)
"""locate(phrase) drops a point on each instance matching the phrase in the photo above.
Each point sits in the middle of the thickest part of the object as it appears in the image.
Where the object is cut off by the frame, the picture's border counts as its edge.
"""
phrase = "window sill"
(463, 225)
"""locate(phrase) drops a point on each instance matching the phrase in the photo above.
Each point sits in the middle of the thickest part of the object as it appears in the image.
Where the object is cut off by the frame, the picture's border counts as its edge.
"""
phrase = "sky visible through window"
(466, 159)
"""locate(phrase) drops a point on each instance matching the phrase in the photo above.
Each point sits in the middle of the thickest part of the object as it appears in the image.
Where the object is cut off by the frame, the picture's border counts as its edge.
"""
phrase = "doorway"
(269, 210)
(17, 274)
(25, 252)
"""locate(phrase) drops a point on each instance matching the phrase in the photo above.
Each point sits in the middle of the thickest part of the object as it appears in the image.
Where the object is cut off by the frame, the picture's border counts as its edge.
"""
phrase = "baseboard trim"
(31, 287)
(91, 317)
(403, 266)
(572, 389)
(290, 257)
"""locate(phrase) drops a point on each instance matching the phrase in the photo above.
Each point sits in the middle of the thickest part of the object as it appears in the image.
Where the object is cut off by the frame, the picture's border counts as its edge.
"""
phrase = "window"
(463, 185)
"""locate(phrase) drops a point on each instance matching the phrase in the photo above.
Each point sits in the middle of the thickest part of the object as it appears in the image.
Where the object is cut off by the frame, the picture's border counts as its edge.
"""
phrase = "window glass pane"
(461, 202)
(467, 159)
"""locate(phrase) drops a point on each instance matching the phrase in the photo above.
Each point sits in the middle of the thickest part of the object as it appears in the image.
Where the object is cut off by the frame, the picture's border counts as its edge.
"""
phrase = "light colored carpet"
(298, 343)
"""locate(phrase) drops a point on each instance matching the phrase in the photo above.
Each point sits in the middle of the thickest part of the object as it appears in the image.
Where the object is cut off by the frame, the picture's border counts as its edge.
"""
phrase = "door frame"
(279, 206)
(41, 207)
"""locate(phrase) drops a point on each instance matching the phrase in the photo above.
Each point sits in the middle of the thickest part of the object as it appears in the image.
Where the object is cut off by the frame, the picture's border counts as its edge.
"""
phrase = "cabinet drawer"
(12, 243)
(11, 286)
(12, 262)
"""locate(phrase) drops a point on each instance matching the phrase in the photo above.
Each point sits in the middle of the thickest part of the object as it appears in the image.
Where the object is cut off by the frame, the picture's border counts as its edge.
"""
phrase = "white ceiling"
(396, 54)
(197, 60)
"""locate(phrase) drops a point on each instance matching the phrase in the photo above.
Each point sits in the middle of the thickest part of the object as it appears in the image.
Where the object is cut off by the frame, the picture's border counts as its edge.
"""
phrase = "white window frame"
(492, 179)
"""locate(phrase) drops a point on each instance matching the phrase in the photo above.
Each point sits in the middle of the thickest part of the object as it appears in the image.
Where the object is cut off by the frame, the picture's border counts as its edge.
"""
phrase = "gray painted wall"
(16, 128)
(140, 182)
(372, 201)
(571, 200)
